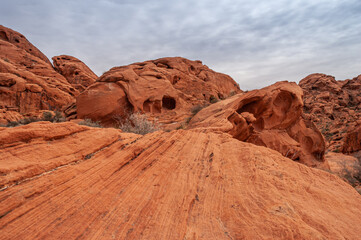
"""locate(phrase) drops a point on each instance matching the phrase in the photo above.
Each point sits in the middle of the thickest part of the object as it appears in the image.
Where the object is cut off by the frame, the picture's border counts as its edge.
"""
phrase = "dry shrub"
(88, 122)
(137, 123)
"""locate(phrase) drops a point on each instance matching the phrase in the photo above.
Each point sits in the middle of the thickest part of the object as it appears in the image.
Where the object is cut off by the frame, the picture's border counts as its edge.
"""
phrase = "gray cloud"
(257, 43)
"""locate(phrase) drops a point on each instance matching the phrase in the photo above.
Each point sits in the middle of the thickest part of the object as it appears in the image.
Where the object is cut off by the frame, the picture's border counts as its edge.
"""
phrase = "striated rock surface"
(75, 71)
(28, 82)
(270, 117)
(334, 106)
(352, 141)
(165, 88)
(101, 183)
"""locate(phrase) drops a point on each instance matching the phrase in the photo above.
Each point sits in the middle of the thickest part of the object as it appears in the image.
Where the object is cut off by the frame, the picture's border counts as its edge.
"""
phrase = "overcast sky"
(255, 42)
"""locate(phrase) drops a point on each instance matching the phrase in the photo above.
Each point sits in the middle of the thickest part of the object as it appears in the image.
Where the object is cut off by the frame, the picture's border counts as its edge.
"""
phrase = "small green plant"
(137, 123)
(6, 60)
(90, 123)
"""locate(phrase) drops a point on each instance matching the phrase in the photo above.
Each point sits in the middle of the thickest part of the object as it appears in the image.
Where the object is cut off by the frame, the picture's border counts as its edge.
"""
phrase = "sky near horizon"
(257, 43)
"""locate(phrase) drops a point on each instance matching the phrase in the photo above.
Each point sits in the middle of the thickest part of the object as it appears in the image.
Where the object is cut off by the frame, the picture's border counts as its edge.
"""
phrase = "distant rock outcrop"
(28, 81)
(352, 141)
(165, 88)
(270, 117)
(75, 71)
(93, 183)
(334, 106)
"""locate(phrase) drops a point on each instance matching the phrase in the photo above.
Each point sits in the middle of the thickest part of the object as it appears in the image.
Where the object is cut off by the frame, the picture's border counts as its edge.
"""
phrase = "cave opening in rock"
(168, 102)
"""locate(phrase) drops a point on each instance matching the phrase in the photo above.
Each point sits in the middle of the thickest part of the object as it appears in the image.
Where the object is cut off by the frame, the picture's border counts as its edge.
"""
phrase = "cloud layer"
(255, 42)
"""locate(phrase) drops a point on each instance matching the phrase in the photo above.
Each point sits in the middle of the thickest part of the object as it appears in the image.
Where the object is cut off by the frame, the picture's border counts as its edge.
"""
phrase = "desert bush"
(232, 93)
(12, 124)
(57, 117)
(90, 123)
(137, 123)
(47, 116)
(213, 99)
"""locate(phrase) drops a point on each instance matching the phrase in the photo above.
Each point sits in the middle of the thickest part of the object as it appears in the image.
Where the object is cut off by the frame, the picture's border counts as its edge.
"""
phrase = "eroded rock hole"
(168, 102)
(283, 100)
(251, 107)
(147, 105)
(3, 36)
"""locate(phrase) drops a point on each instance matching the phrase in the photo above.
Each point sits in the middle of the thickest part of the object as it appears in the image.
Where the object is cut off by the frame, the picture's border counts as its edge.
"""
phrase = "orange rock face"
(101, 183)
(28, 81)
(334, 106)
(345, 166)
(75, 71)
(165, 88)
(270, 117)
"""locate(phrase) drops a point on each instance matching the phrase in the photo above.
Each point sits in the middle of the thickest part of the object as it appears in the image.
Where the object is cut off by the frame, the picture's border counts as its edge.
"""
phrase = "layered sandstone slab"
(165, 88)
(270, 117)
(99, 183)
(75, 71)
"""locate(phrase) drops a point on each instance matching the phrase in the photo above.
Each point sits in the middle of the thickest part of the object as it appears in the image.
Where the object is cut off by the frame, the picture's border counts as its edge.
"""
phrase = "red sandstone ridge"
(334, 106)
(103, 184)
(270, 117)
(165, 88)
(28, 81)
(75, 71)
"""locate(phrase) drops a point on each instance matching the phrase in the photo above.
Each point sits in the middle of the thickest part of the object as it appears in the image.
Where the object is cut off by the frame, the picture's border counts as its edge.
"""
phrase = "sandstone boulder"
(270, 117)
(75, 71)
(165, 88)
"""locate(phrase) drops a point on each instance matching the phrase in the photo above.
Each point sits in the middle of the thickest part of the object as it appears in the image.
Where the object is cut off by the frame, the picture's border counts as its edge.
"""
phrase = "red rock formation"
(269, 117)
(352, 141)
(28, 81)
(100, 183)
(75, 71)
(334, 106)
(19, 41)
(165, 88)
(345, 166)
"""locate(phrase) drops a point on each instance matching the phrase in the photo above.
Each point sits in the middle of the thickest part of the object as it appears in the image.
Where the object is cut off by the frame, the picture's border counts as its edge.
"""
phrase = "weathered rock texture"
(352, 141)
(345, 166)
(165, 88)
(28, 81)
(270, 117)
(75, 71)
(65, 181)
(334, 106)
